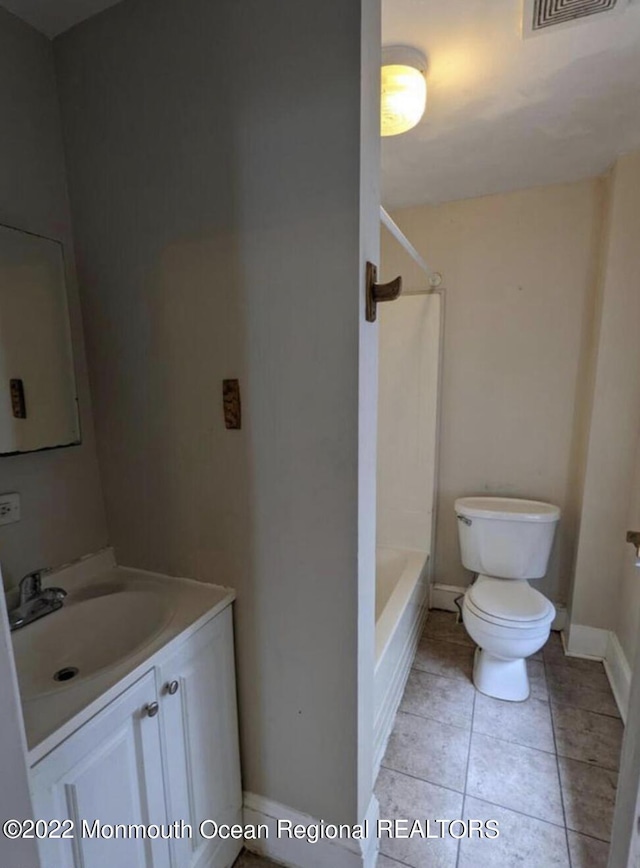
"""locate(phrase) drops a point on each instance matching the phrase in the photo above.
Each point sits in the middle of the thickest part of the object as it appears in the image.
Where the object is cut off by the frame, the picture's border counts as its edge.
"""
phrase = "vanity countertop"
(115, 624)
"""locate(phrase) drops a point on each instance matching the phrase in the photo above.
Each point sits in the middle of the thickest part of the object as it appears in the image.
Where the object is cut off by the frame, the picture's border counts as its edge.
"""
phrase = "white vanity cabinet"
(109, 770)
(199, 731)
(164, 751)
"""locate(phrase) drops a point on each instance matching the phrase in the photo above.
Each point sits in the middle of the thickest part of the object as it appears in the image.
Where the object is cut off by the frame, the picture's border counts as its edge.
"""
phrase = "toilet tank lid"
(506, 509)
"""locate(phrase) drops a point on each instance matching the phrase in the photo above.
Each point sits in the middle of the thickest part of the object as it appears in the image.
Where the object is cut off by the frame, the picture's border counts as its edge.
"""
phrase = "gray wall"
(215, 185)
(15, 799)
(62, 509)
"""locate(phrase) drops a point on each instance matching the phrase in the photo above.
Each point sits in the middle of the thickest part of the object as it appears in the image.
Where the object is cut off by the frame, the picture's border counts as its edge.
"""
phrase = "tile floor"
(250, 860)
(545, 769)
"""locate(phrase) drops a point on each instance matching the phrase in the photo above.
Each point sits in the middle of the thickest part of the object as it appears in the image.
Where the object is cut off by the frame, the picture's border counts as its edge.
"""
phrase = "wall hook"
(633, 537)
(377, 292)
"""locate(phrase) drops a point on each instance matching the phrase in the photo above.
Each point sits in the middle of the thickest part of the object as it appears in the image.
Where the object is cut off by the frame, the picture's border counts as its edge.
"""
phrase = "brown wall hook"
(377, 292)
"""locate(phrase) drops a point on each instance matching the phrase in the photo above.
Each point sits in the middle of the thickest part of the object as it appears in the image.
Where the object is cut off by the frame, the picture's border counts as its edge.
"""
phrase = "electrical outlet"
(9, 508)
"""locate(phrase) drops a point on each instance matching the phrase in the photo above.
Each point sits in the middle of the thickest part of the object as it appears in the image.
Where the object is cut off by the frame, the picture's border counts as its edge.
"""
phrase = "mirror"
(38, 398)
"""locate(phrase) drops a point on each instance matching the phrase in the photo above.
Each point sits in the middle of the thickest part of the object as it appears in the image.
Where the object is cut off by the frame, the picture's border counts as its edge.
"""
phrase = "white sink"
(92, 631)
(112, 621)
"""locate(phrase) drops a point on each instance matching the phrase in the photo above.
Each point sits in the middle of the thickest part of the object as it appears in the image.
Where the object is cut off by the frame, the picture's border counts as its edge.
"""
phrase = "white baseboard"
(594, 643)
(618, 672)
(560, 620)
(444, 596)
(589, 642)
(300, 853)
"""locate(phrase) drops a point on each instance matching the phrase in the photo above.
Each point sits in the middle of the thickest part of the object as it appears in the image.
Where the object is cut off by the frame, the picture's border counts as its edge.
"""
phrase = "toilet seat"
(513, 604)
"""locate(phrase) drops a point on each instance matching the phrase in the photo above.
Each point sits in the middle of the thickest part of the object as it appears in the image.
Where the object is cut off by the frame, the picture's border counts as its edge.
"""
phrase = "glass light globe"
(403, 99)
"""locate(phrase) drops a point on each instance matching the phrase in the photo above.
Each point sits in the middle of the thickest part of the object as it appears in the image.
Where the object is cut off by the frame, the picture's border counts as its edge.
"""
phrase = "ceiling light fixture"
(403, 89)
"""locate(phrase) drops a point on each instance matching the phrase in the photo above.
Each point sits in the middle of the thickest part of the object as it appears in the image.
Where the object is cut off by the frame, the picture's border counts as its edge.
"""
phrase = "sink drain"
(66, 674)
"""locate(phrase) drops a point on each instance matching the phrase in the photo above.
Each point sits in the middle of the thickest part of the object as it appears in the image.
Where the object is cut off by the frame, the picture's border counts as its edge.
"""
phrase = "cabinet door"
(109, 770)
(200, 742)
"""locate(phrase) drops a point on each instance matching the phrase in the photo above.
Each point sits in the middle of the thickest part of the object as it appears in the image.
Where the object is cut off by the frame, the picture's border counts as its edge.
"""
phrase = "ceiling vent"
(541, 15)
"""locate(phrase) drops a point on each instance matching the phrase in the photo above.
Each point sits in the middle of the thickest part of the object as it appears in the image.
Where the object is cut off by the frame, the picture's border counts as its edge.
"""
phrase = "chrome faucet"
(35, 601)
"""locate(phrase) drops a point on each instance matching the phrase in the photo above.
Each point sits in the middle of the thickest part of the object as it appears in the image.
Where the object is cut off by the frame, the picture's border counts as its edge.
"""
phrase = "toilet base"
(502, 679)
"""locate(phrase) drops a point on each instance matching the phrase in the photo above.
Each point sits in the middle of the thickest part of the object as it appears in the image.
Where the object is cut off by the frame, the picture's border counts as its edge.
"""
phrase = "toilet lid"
(510, 601)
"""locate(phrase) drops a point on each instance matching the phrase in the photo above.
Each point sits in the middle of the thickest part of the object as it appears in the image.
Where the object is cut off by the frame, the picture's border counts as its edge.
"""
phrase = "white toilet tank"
(506, 537)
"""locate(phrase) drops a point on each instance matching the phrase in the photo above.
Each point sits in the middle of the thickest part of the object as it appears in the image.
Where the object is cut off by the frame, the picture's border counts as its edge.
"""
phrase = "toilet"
(506, 542)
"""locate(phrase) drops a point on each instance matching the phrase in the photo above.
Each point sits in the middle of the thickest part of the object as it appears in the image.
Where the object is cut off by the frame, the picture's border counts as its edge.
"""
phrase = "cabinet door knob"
(151, 709)
(172, 687)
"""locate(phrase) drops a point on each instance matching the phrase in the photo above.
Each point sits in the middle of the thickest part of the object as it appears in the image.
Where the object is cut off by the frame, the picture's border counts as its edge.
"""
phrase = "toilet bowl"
(508, 621)
(506, 542)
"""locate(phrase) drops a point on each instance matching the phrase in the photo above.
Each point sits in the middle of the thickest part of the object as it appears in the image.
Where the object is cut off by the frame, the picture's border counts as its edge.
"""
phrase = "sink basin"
(91, 632)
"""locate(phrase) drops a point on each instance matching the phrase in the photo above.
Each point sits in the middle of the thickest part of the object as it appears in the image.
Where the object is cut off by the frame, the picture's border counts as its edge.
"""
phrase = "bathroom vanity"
(144, 731)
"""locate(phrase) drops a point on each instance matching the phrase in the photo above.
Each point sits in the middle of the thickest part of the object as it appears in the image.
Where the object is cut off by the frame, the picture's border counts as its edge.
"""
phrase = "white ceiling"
(52, 17)
(505, 113)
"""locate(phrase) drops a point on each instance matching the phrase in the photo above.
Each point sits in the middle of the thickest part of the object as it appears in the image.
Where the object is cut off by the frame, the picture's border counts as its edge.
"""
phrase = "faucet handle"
(32, 578)
(31, 585)
(53, 593)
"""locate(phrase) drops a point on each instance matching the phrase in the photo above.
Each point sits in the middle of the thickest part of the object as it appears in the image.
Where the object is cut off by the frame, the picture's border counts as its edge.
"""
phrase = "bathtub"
(401, 589)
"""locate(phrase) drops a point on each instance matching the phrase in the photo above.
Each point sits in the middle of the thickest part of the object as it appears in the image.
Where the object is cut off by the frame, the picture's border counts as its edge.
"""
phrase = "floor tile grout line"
(516, 743)
(464, 811)
(436, 638)
(560, 787)
(466, 773)
(537, 819)
(461, 678)
(585, 763)
(432, 719)
(422, 780)
(555, 704)
(588, 835)
(392, 859)
(594, 691)
(522, 814)
(432, 637)
(435, 674)
(528, 746)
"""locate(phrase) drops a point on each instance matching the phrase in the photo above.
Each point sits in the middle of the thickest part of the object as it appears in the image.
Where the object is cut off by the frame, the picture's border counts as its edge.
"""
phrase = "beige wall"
(62, 508)
(520, 276)
(606, 591)
(219, 229)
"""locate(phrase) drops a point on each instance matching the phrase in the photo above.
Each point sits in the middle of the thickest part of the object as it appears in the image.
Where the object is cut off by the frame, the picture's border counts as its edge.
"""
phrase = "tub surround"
(401, 595)
(398, 572)
(184, 605)
(409, 374)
